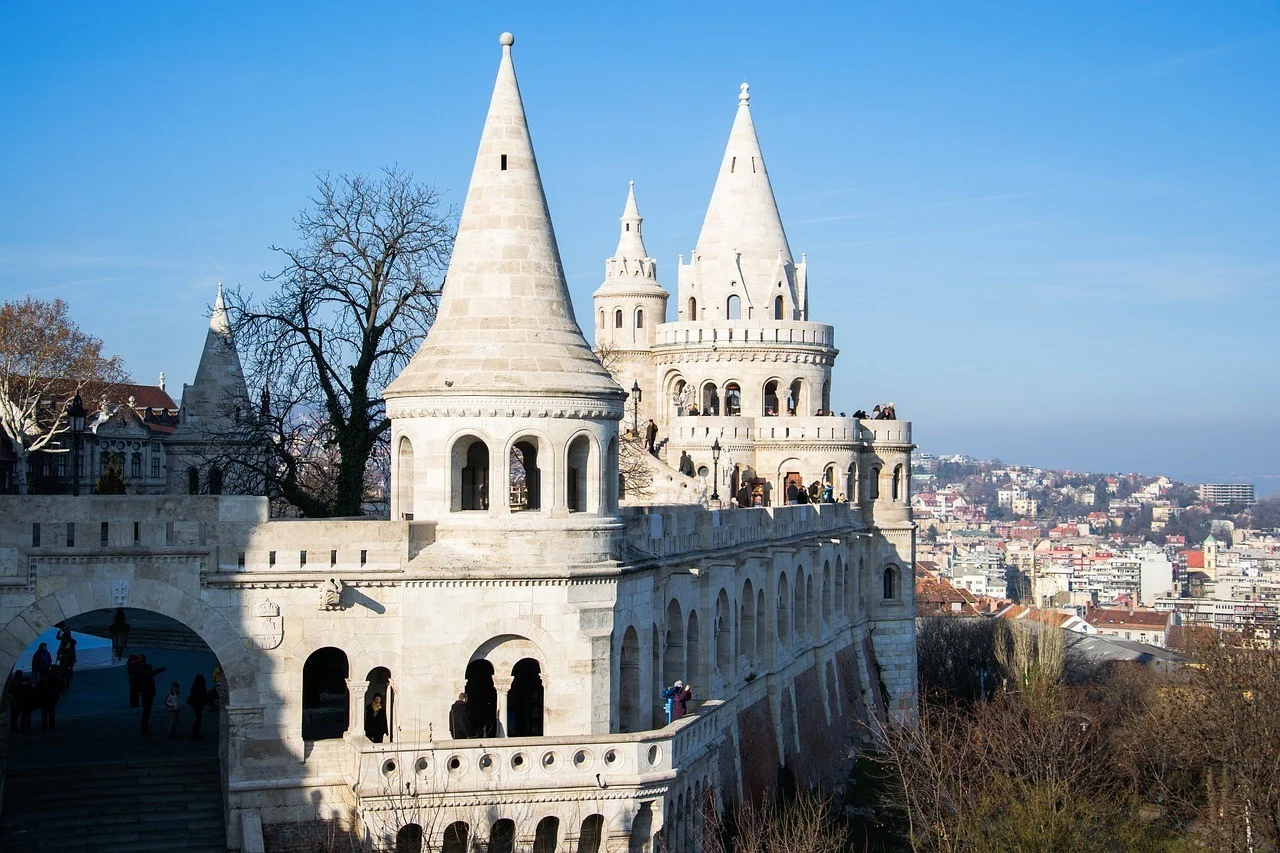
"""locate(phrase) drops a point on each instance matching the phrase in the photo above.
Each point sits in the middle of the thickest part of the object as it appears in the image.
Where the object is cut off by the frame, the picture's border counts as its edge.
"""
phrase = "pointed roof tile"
(505, 324)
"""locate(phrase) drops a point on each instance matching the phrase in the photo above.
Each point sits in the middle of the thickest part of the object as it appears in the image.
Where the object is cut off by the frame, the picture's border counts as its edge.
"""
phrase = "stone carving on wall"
(120, 593)
(331, 595)
(268, 629)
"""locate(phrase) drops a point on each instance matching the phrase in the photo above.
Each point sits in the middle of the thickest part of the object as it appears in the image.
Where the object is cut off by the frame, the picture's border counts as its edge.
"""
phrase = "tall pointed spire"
(219, 387)
(505, 323)
(630, 243)
(742, 238)
(218, 321)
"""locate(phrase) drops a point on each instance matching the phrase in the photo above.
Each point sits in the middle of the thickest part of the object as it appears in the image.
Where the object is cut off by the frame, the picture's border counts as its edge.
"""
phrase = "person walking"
(67, 660)
(41, 661)
(47, 696)
(375, 719)
(197, 699)
(459, 719)
(147, 691)
(173, 704)
(651, 436)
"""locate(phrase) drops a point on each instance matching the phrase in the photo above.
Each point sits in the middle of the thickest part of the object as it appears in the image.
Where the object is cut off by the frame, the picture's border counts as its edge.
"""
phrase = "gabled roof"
(1146, 620)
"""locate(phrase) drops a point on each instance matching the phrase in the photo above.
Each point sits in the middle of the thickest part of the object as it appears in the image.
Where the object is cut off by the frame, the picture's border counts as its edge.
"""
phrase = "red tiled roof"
(1103, 617)
(1195, 559)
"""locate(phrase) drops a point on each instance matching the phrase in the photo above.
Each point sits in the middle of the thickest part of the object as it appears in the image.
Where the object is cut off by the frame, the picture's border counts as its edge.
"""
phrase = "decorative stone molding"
(510, 407)
(331, 594)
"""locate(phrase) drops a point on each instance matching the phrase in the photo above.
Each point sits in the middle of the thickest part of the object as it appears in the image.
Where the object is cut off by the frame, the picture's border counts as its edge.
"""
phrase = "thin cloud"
(1196, 56)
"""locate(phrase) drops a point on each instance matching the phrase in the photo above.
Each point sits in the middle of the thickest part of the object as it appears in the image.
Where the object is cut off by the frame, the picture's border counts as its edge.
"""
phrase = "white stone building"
(561, 614)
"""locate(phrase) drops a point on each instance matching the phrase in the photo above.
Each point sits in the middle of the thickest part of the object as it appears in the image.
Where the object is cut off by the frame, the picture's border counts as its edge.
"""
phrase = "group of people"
(42, 685)
(816, 492)
(677, 698)
(142, 693)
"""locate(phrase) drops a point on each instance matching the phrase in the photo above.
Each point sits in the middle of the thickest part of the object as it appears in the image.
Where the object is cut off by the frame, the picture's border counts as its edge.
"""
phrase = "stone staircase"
(129, 807)
(147, 637)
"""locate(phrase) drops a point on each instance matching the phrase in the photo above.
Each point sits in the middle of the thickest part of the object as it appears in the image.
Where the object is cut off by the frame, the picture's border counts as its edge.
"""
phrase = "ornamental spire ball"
(506, 39)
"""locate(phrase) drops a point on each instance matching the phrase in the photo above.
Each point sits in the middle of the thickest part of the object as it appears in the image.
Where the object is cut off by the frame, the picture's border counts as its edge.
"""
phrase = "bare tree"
(347, 311)
(635, 465)
(45, 361)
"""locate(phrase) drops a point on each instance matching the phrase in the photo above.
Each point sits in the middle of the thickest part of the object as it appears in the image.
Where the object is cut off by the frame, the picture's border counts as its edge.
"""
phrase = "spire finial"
(506, 40)
(744, 93)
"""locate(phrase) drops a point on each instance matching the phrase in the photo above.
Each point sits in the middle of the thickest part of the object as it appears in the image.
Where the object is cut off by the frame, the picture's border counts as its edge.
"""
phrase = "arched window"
(723, 632)
(873, 484)
(710, 399)
(797, 605)
(578, 479)
(827, 593)
(617, 319)
(455, 837)
(471, 474)
(733, 308)
(693, 650)
(777, 308)
(629, 685)
(379, 681)
(890, 582)
(409, 839)
(693, 308)
(547, 835)
(502, 838)
(770, 398)
(482, 700)
(215, 480)
(794, 403)
(601, 324)
(524, 699)
(747, 624)
(733, 399)
(897, 484)
(639, 318)
(851, 484)
(325, 704)
(193, 481)
(591, 835)
(762, 627)
(673, 654)
(135, 466)
(404, 478)
(784, 610)
(526, 476)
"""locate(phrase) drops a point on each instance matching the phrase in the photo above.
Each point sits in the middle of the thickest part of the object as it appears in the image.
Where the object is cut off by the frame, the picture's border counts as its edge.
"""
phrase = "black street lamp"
(715, 473)
(635, 407)
(75, 417)
(119, 630)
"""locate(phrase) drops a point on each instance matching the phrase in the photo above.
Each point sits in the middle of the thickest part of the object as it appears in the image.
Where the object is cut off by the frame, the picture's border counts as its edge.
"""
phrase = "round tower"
(504, 425)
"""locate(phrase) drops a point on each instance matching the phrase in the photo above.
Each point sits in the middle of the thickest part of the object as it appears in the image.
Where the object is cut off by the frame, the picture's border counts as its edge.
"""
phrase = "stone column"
(502, 686)
(355, 706)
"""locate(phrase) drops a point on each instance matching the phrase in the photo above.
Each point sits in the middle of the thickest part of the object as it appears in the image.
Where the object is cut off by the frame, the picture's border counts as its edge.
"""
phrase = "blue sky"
(1048, 232)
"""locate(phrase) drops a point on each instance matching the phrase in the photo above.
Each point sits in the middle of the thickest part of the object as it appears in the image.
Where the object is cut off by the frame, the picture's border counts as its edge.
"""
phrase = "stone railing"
(449, 767)
(753, 332)
(690, 428)
(668, 531)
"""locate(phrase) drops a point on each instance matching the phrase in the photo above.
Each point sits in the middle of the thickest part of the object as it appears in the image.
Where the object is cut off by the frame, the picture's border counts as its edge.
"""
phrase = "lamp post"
(715, 472)
(75, 418)
(119, 630)
(635, 407)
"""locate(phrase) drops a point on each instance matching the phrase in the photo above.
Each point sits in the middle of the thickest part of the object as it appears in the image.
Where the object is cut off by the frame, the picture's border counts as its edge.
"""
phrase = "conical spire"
(742, 238)
(630, 243)
(219, 387)
(505, 323)
(218, 321)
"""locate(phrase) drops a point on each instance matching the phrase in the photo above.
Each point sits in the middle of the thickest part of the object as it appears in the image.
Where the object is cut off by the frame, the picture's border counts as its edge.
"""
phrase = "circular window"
(582, 759)
(519, 762)
(655, 755)
(487, 763)
(457, 766)
(388, 767)
(422, 766)
(550, 761)
(611, 758)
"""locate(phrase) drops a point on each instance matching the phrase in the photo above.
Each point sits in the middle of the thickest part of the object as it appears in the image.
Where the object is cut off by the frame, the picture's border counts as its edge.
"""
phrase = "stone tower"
(209, 419)
(630, 305)
(505, 420)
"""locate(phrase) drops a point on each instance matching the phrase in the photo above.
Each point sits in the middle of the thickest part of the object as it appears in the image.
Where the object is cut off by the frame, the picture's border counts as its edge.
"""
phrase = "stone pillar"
(355, 706)
(502, 686)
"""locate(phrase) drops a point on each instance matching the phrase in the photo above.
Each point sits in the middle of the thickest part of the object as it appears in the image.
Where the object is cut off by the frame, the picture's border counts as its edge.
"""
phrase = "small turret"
(630, 303)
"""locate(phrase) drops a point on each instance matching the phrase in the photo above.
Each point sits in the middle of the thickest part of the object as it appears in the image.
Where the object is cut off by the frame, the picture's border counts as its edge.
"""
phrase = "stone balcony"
(746, 332)
(706, 428)
(672, 531)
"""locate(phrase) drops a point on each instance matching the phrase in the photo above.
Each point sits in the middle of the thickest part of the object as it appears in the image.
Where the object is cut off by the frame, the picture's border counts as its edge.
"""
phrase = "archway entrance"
(85, 749)
(524, 700)
(482, 699)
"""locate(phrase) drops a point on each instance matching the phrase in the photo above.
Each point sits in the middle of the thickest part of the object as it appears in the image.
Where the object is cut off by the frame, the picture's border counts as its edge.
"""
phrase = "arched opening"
(639, 318)
(733, 307)
(693, 308)
(409, 839)
(762, 627)
(577, 474)
(325, 704)
(482, 700)
(784, 610)
(193, 481)
(547, 835)
(673, 655)
(733, 399)
(135, 466)
(680, 396)
(771, 398)
(890, 582)
(629, 684)
(456, 836)
(811, 596)
(826, 396)
(215, 479)
(827, 593)
(794, 403)
(471, 475)
(724, 635)
(526, 476)
(404, 478)
(873, 484)
(710, 399)
(502, 838)
(600, 324)
(693, 652)
(378, 726)
(777, 308)
(591, 834)
(897, 491)
(524, 700)
(613, 476)
(617, 319)
(657, 716)
(797, 605)
(839, 590)
(747, 624)
(851, 483)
